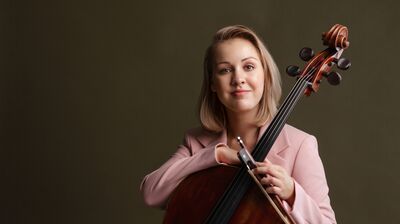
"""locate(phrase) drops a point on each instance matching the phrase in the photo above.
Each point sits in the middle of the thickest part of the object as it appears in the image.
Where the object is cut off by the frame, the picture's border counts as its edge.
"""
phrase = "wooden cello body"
(204, 188)
(226, 194)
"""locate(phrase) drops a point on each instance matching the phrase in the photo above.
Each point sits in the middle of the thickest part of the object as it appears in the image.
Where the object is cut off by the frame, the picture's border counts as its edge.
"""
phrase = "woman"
(239, 96)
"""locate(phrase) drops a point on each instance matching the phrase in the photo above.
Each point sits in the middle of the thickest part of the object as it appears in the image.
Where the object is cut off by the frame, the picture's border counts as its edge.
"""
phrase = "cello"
(237, 198)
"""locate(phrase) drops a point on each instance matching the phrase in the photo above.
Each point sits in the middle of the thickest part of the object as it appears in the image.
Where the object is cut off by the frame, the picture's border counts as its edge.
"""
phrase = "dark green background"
(96, 94)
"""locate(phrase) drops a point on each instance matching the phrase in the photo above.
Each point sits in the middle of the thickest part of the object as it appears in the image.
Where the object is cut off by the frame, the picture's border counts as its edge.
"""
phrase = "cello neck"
(224, 209)
(271, 133)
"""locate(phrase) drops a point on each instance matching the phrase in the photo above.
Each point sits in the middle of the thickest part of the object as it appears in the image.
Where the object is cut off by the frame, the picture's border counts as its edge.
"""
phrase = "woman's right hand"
(226, 155)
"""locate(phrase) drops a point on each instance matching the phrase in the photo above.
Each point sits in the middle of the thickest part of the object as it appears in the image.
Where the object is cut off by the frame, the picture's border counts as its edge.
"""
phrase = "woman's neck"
(243, 125)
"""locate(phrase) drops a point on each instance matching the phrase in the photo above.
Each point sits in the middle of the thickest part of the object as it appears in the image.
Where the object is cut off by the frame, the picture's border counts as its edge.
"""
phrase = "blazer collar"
(281, 143)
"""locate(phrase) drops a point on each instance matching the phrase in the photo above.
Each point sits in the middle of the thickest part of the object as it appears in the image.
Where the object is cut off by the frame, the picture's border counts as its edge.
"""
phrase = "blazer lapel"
(281, 143)
(209, 138)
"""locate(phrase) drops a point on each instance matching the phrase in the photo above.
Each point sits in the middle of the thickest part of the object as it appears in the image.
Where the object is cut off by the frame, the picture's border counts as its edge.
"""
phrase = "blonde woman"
(239, 96)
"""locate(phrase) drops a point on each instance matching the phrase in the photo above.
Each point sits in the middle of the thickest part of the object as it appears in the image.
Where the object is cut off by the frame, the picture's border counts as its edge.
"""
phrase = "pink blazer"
(294, 150)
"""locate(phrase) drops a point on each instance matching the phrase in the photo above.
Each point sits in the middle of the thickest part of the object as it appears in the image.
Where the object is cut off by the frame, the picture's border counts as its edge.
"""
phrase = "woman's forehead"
(235, 50)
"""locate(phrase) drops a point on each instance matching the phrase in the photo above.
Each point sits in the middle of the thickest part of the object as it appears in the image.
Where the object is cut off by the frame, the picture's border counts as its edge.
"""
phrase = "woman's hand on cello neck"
(276, 180)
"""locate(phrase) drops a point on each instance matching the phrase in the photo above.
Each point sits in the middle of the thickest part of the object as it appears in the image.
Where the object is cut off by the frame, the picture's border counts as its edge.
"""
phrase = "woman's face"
(238, 75)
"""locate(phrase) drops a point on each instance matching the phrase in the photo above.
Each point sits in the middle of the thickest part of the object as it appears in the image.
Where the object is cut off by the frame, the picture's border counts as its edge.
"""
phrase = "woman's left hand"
(276, 180)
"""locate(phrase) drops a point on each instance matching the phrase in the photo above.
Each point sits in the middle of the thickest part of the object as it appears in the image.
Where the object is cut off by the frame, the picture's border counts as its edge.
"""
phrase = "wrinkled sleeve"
(157, 186)
(312, 203)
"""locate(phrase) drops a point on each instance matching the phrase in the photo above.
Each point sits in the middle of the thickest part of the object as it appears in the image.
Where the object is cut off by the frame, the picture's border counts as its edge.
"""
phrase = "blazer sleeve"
(312, 203)
(157, 186)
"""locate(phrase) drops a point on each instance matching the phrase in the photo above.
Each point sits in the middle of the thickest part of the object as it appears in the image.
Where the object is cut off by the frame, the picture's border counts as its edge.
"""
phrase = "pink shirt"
(294, 150)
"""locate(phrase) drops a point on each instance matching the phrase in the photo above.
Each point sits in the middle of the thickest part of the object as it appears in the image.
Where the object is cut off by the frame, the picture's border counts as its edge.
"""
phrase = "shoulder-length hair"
(211, 111)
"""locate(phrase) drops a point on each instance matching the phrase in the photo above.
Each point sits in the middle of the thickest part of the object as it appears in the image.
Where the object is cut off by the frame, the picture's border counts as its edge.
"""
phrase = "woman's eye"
(249, 67)
(225, 70)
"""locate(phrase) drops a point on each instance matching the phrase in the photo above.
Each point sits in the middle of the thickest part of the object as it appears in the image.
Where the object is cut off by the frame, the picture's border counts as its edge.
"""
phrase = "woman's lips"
(240, 92)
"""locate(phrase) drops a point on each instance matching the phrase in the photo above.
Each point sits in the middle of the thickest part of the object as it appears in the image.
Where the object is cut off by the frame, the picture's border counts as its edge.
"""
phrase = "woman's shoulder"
(200, 132)
(295, 134)
(198, 137)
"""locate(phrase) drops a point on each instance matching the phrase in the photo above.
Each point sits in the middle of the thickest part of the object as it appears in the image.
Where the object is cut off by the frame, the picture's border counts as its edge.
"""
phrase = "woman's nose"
(238, 78)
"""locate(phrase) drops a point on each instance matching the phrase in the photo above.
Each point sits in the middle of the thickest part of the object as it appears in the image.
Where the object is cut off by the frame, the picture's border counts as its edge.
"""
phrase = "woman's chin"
(243, 109)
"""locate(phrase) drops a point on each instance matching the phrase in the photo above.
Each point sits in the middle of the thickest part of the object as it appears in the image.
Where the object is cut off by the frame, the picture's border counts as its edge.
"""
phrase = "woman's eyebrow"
(222, 62)
(244, 59)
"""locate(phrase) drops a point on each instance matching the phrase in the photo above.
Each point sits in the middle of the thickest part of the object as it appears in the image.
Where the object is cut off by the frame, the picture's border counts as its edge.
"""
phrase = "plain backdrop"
(96, 94)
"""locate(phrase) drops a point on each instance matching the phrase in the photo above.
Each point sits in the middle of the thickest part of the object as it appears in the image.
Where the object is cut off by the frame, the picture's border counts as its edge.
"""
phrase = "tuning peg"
(306, 54)
(343, 63)
(293, 70)
(334, 78)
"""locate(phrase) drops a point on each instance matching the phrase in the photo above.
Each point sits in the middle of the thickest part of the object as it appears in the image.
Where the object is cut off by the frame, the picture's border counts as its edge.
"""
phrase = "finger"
(277, 171)
(261, 170)
(269, 180)
(266, 162)
(271, 170)
(261, 164)
(262, 167)
(273, 190)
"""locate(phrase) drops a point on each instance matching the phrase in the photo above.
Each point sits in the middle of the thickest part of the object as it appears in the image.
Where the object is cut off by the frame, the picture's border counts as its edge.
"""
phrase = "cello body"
(190, 202)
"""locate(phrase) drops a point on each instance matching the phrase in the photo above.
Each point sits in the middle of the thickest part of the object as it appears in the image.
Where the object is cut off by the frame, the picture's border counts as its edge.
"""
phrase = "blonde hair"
(211, 111)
